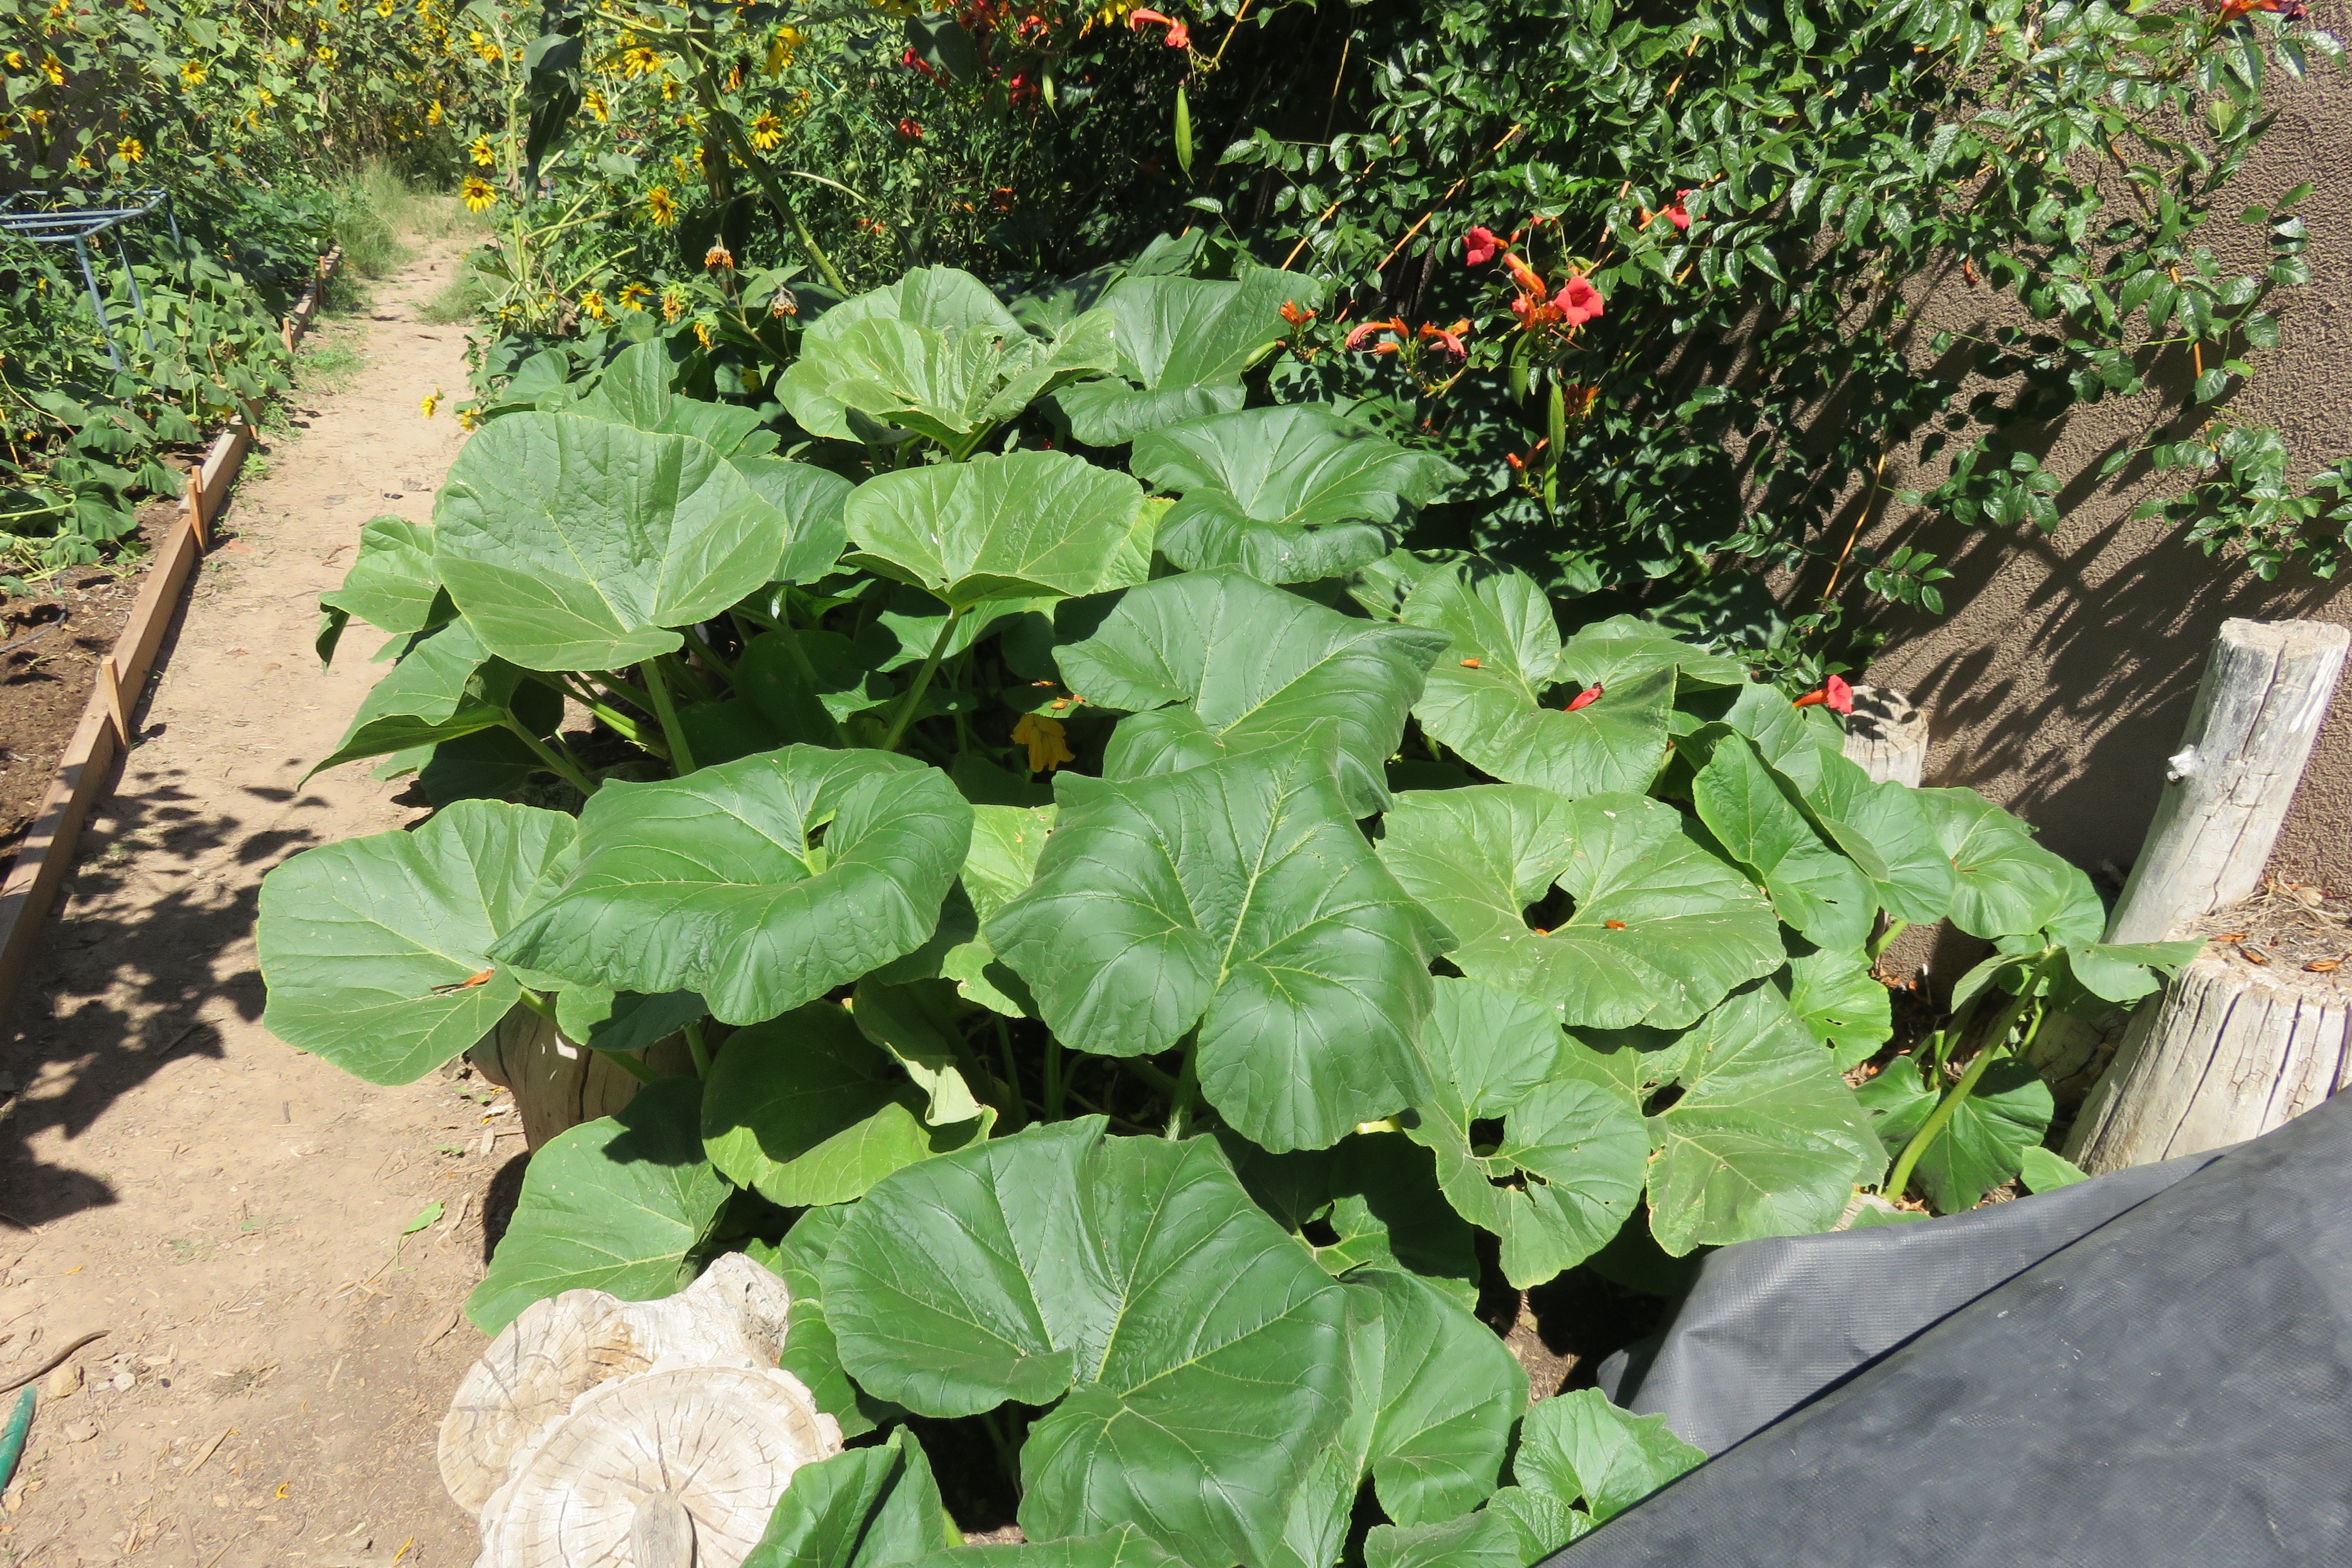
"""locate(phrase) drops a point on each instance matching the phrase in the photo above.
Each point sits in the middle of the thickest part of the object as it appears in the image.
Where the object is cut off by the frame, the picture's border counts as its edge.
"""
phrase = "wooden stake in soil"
(110, 691)
(2266, 688)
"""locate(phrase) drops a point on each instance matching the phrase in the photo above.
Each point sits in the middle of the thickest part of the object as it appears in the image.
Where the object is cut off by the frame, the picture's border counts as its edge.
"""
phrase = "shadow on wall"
(2064, 675)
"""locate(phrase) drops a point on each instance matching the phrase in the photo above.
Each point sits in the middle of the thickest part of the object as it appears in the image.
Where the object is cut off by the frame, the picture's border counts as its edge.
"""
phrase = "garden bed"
(47, 677)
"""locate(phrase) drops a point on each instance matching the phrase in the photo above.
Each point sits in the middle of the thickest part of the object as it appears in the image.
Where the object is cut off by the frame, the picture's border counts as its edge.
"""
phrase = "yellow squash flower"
(479, 194)
(1046, 740)
(659, 203)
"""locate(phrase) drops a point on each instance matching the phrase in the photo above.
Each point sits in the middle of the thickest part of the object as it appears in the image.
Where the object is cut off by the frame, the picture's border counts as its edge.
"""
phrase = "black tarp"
(2147, 1369)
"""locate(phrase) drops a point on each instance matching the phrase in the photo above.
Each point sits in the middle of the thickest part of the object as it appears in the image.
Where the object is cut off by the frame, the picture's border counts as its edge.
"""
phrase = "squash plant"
(1151, 1120)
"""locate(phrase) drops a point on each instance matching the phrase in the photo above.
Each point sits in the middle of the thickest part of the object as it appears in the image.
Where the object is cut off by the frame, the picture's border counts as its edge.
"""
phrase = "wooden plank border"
(103, 736)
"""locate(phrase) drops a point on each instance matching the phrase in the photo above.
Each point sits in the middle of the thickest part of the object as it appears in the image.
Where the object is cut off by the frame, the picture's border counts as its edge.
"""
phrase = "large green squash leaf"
(1842, 1004)
(1284, 493)
(1569, 1163)
(810, 501)
(717, 882)
(1448, 1393)
(804, 1110)
(1578, 1446)
(811, 1353)
(358, 938)
(866, 1508)
(614, 1204)
(1196, 1351)
(392, 584)
(1766, 1140)
(1662, 929)
(1982, 1146)
(944, 298)
(1213, 664)
(574, 543)
(1816, 891)
(1625, 648)
(1028, 525)
(1490, 694)
(954, 385)
(1239, 898)
(2004, 884)
(1183, 344)
(446, 686)
(634, 391)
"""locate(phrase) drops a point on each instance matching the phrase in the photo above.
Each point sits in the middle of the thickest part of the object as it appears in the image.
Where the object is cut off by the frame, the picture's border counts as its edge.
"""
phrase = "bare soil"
(275, 1250)
(54, 640)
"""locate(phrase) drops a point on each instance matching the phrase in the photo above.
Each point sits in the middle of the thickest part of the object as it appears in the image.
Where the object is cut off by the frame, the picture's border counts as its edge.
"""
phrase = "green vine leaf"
(762, 883)
(1216, 664)
(1660, 928)
(1486, 693)
(1766, 1140)
(615, 1204)
(1028, 525)
(571, 543)
(1288, 494)
(1191, 1351)
(1237, 897)
(376, 950)
(1571, 1159)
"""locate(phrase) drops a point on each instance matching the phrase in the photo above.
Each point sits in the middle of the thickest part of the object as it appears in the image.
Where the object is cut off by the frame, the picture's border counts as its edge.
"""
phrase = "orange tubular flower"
(1479, 246)
(1448, 338)
(1292, 314)
(1585, 699)
(1835, 695)
(1179, 36)
(1394, 325)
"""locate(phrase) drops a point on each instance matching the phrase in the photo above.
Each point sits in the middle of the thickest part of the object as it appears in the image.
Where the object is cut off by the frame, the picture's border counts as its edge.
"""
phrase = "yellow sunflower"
(479, 194)
(767, 132)
(659, 203)
(131, 149)
(635, 296)
(482, 153)
(592, 305)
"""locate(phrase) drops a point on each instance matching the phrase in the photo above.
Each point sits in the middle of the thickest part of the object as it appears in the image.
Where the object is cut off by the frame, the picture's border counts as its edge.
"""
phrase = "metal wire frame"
(77, 227)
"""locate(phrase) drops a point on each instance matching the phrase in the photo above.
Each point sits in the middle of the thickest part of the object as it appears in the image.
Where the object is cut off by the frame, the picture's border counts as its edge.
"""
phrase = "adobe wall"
(2063, 674)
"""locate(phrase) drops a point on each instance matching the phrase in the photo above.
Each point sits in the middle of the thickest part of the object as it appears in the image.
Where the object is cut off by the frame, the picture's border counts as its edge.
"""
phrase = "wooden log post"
(2228, 1049)
(556, 1084)
(2267, 686)
(1887, 735)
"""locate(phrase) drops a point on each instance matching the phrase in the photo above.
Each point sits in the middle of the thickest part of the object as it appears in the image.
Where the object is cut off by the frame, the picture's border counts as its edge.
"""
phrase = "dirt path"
(278, 1354)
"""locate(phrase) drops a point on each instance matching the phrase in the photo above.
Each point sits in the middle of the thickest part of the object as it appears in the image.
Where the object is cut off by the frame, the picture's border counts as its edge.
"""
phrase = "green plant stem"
(1019, 1109)
(701, 1052)
(773, 189)
(629, 1064)
(539, 1003)
(904, 714)
(1886, 939)
(1188, 1091)
(1949, 1106)
(806, 668)
(556, 763)
(681, 756)
(1054, 1087)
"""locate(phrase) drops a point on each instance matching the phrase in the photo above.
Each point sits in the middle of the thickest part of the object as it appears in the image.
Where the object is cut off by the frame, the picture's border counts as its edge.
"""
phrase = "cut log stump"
(2230, 1050)
(557, 1085)
(1887, 735)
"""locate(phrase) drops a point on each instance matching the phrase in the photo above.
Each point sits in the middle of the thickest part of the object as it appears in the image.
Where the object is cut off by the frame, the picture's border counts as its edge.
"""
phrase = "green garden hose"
(11, 1441)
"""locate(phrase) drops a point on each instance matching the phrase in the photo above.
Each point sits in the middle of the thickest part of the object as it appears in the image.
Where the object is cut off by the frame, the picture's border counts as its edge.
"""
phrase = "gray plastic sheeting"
(2148, 1369)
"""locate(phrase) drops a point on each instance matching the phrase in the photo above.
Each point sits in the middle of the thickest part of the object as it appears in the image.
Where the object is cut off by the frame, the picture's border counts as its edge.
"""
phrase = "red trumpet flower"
(1479, 247)
(1179, 36)
(1835, 695)
(1585, 699)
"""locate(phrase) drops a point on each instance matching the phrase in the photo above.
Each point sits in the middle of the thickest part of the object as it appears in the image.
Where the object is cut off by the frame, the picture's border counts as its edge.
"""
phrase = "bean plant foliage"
(1149, 1114)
